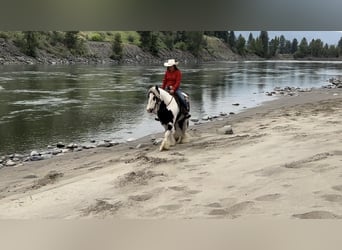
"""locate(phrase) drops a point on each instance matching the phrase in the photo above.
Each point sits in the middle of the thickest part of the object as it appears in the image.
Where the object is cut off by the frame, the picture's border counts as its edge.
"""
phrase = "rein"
(170, 101)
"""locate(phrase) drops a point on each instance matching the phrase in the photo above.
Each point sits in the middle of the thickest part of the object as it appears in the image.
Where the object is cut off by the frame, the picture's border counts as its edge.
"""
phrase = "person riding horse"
(171, 83)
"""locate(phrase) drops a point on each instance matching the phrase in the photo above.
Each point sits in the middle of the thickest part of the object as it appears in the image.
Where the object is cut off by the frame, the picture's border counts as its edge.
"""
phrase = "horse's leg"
(181, 131)
(168, 140)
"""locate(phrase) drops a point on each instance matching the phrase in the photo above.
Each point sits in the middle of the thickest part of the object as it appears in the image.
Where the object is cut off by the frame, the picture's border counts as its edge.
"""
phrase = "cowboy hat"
(170, 63)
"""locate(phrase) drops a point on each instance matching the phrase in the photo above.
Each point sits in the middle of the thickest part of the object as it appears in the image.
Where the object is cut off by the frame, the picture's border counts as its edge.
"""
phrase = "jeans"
(182, 99)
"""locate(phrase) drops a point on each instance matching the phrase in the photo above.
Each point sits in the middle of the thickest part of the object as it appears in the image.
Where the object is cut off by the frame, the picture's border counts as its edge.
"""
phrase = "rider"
(171, 82)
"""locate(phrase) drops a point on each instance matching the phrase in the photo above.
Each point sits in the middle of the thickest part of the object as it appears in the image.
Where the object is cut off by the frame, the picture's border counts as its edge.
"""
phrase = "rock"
(194, 119)
(225, 130)
(36, 158)
(114, 143)
(104, 144)
(46, 156)
(60, 145)
(34, 153)
(10, 163)
(207, 117)
(56, 151)
(72, 146)
(88, 146)
(236, 104)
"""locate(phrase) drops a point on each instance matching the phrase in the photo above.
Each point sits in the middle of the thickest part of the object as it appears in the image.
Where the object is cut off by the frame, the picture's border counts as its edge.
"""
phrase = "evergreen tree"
(316, 48)
(145, 39)
(294, 46)
(287, 47)
(231, 39)
(240, 45)
(274, 46)
(223, 35)
(250, 43)
(264, 41)
(31, 43)
(154, 49)
(333, 51)
(169, 39)
(258, 48)
(303, 49)
(339, 46)
(194, 41)
(282, 42)
(71, 39)
(117, 47)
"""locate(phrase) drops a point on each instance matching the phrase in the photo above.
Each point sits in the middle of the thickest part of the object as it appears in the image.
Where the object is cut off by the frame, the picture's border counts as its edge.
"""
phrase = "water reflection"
(41, 105)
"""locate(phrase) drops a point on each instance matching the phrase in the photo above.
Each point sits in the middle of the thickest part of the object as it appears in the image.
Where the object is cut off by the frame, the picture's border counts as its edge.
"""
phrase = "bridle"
(158, 99)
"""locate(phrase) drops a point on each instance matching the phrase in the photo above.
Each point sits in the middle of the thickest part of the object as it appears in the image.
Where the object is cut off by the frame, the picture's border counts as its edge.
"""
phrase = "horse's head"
(153, 100)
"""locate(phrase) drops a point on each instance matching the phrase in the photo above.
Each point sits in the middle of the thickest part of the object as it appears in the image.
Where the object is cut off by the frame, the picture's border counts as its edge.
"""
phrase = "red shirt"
(172, 78)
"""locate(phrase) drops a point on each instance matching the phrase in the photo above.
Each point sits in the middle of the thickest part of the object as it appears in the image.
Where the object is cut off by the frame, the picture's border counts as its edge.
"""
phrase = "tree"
(223, 35)
(149, 41)
(264, 42)
(231, 39)
(250, 43)
(333, 51)
(145, 39)
(258, 49)
(71, 39)
(303, 49)
(240, 45)
(194, 41)
(294, 46)
(169, 39)
(339, 46)
(274, 46)
(287, 49)
(316, 48)
(282, 42)
(30, 43)
(117, 48)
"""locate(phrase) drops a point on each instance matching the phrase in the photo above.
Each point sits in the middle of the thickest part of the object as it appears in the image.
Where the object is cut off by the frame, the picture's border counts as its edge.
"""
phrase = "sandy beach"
(283, 160)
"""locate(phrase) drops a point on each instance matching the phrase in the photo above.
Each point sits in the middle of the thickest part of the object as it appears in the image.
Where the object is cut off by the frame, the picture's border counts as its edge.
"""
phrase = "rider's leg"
(183, 102)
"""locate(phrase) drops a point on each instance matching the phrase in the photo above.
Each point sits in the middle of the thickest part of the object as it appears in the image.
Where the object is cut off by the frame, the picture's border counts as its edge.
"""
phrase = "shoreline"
(63, 147)
(255, 172)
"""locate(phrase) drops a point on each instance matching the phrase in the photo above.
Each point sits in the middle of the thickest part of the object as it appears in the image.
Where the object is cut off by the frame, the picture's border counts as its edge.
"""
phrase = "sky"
(329, 37)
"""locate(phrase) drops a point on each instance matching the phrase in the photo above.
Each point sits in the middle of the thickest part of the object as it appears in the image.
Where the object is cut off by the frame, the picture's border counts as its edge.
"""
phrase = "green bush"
(181, 46)
(98, 37)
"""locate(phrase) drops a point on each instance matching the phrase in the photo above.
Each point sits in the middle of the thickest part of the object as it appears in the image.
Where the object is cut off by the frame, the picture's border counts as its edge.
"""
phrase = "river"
(41, 105)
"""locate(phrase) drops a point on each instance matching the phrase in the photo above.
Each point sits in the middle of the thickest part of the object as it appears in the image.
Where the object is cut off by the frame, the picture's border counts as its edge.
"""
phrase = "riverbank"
(282, 160)
(101, 53)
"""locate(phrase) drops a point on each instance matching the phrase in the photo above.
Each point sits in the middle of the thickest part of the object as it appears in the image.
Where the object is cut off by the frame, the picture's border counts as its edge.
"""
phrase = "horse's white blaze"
(176, 134)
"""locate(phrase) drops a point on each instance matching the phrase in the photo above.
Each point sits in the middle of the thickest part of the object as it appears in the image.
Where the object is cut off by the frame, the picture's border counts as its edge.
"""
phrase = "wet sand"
(284, 160)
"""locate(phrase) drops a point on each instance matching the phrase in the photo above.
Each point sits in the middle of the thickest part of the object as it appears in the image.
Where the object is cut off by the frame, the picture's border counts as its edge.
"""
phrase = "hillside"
(100, 52)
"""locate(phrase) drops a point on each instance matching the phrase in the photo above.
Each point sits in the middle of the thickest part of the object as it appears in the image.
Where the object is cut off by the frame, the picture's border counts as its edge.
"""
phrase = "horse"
(175, 123)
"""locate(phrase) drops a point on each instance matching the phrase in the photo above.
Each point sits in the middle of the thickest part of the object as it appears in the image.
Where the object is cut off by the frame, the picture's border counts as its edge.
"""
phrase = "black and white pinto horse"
(165, 106)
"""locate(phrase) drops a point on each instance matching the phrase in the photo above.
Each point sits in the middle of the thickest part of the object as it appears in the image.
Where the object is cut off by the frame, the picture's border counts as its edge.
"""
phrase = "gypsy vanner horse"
(165, 106)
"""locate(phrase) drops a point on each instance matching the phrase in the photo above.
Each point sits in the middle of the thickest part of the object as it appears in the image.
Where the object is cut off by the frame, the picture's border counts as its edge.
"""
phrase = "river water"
(42, 105)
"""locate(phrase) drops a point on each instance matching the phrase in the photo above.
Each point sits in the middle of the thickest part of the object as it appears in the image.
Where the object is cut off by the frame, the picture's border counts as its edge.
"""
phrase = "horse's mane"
(156, 91)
